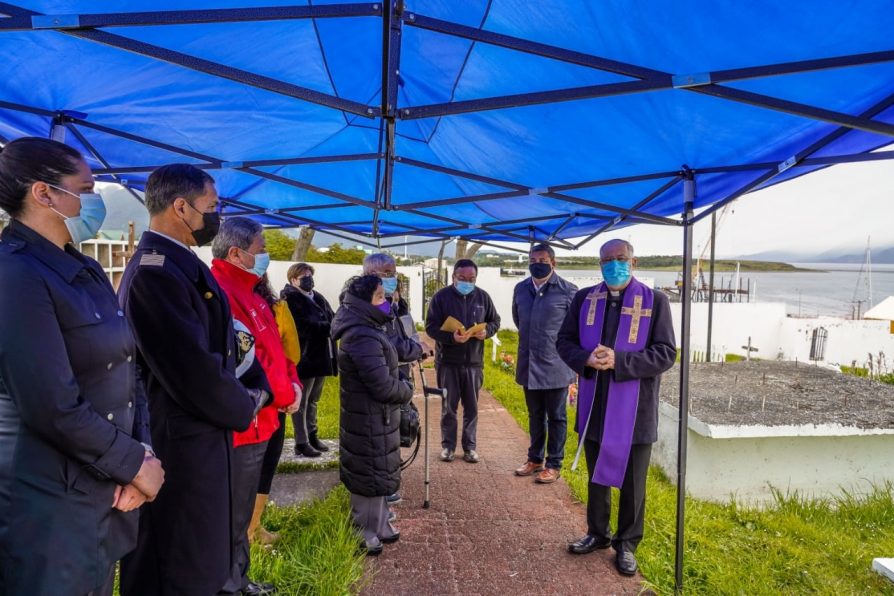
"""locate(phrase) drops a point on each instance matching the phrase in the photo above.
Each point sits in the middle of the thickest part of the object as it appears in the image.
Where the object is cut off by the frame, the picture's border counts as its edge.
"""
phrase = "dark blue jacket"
(186, 349)
(67, 404)
(538, 315)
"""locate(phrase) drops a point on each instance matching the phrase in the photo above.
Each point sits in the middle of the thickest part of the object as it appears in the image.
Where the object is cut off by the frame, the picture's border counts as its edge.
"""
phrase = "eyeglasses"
(609, 260)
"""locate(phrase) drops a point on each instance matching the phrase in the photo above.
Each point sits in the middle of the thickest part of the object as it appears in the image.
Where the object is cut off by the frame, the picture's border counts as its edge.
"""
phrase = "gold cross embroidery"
(594, 298)
(637, 312)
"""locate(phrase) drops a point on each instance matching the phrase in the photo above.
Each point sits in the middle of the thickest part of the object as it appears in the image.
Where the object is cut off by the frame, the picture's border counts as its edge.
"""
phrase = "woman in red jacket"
(240, 261)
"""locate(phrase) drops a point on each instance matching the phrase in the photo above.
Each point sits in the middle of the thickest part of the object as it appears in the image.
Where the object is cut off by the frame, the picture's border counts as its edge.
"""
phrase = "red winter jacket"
(250, 308)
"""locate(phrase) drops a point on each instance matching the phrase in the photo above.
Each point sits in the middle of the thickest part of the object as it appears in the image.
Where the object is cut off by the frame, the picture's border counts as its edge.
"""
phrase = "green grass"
(317, 550)
(327, 412)
(863, 372)
(795, 545)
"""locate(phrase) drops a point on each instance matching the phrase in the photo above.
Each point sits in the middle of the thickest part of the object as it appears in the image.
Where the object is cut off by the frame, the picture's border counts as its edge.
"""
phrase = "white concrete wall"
(818, 462)
(846, 340)
(772, 332)
(330, 278)
(733, 324)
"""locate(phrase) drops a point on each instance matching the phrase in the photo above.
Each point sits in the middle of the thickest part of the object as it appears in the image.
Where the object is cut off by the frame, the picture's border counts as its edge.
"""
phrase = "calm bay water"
(829, 289)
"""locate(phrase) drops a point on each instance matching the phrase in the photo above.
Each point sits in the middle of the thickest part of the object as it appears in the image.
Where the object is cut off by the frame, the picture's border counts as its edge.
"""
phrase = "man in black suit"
(619, 337)
(186, 348)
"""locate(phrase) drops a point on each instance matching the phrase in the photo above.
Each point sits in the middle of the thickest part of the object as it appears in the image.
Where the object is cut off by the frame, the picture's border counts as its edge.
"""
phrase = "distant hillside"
(675, 263)
(880, 255)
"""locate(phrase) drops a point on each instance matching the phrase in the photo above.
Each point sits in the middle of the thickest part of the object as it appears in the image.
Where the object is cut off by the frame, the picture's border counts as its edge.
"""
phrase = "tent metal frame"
(394, 16)
(90, 27)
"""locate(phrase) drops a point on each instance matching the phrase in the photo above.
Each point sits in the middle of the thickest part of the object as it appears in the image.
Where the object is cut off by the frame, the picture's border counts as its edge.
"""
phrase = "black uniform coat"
(538, 314)
(184, 331)
(313, 319)
(658, 356)
(476, 307)
(371, 394)
(67, 407)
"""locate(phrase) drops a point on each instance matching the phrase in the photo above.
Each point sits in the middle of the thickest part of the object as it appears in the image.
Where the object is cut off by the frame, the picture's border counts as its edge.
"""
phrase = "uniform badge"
(245, 347)
(152, 260)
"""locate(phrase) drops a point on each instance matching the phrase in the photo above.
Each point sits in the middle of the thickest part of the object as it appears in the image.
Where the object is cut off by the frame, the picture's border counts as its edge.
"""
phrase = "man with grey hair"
(384, 267)
(240, 262)
(618, 337)
(539, 304)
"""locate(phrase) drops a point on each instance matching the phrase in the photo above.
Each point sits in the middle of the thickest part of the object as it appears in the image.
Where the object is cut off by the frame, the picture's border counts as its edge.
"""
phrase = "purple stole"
(623, 396)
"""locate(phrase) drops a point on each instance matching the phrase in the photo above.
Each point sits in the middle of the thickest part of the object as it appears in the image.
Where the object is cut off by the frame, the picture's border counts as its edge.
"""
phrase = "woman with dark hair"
(75, 463)
(371, 395)
(313, 318)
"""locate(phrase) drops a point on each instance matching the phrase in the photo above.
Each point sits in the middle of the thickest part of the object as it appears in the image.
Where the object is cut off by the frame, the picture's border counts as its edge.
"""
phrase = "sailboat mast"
(869, 268)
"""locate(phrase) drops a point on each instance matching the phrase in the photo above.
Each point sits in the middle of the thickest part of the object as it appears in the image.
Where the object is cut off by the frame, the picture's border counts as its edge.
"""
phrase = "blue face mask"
(465, 287)
(86, 224)
(385, 307)
(616, 273)
(262, 261)
(389, 284)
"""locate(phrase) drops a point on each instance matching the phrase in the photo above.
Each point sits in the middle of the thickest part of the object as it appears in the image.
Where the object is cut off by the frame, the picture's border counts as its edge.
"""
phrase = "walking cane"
(426, 391)
(581, 438)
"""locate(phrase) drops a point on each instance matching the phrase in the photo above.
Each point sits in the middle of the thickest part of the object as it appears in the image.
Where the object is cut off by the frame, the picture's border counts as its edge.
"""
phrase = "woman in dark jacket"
(71, 473)
(313, 319)
(371, 395)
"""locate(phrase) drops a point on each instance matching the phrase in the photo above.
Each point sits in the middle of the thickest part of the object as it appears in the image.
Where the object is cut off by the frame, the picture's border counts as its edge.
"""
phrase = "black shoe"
(306, 450)
(258, 589)
(394, 499)
(391, 539)
(371, 551)
(625, 562)
(317, 443)
(588, 544)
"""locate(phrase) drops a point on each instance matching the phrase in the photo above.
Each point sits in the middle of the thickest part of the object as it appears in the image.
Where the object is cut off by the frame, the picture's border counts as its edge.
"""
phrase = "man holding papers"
(460, 317)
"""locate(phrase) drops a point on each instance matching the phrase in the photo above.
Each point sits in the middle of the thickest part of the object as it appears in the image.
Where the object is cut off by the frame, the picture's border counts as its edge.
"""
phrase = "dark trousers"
(548, 424)
(247, 461)
(107, 589)
(462, 384)
(305, 419)
(631, 506)
(271, 457)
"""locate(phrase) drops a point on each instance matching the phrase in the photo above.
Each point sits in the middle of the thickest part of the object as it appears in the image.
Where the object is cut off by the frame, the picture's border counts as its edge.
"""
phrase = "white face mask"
(85, 224)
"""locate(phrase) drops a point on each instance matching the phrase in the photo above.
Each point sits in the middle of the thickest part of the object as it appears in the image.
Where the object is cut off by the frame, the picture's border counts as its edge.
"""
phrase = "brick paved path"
(488, 531)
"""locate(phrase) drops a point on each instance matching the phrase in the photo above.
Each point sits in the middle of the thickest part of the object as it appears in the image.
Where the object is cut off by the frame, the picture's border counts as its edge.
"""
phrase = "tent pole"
(685, 323)
(711, 288)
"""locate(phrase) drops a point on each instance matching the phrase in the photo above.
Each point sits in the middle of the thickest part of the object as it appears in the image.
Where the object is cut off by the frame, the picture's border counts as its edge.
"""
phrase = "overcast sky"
(832, 209)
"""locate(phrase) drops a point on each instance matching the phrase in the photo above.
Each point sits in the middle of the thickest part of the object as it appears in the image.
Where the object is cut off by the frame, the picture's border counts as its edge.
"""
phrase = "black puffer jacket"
(371, 394)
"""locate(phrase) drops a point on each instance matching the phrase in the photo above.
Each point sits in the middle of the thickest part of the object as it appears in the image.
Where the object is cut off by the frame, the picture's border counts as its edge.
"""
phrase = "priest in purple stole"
(618, 337)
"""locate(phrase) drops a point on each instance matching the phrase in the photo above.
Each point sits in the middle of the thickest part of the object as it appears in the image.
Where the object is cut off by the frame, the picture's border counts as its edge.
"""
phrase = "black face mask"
(306, 283)
(540, 270)
(209, 229)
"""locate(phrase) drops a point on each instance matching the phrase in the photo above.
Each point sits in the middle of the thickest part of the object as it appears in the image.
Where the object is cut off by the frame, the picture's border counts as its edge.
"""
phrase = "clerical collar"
(615, 293)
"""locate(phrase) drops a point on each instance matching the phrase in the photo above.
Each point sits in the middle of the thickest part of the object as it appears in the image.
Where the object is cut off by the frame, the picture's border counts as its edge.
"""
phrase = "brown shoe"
(529, 468)
(547, 476)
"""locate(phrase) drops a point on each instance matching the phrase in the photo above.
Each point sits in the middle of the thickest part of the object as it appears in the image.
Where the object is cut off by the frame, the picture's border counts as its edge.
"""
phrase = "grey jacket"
(538, 315)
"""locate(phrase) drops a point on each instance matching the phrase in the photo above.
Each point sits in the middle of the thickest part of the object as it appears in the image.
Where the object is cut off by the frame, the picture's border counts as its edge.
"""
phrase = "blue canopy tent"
(491, 120)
